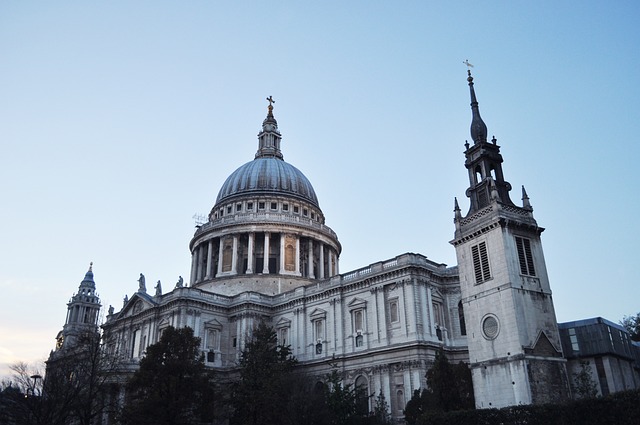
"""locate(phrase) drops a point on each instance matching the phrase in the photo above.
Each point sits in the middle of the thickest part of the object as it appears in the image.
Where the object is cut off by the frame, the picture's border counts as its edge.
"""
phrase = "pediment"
(283, 323)
(436, 294)
(318, 313)
(164, 323)
(357, 303)
(138, 303)
(543, 347)
(213, 324)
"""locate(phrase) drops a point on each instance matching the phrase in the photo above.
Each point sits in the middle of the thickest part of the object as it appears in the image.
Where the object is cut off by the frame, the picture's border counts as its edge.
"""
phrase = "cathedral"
(266, 253)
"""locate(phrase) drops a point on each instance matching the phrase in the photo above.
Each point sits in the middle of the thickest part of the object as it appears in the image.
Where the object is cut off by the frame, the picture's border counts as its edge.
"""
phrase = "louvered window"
(525, 256)
(481, 262)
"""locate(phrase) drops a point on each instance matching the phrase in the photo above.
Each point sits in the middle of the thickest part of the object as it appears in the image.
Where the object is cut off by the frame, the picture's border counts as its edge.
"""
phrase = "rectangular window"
(318, 326)
(437, 314)
(481, 262)
(393, 311)
(296, 209)
(213, 339)
(274, 206)
(250, 206)
(238, 207)
(574, 339)
(358, 321)
(305, 212)
(260, 205)
(135, 348)
(525, 256)
(283, 336)
(285, 207)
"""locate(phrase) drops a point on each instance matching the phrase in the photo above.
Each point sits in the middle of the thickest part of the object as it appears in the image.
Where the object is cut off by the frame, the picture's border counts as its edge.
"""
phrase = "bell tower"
(82, 314)
(515, 353)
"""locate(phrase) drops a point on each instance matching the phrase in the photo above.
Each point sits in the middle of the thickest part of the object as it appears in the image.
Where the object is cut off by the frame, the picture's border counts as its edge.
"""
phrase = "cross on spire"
(271, 102)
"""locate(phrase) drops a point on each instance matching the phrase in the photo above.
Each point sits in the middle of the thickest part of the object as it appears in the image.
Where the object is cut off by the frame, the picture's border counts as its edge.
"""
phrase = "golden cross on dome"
(271, 101)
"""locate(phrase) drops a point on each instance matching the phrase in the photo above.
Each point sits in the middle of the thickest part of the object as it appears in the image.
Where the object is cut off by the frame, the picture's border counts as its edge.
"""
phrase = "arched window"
(362, 395)
(478, 174)
(400, 400)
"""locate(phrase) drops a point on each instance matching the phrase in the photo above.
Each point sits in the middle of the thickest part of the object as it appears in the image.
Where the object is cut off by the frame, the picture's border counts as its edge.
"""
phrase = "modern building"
(605, 348)
(266, 254)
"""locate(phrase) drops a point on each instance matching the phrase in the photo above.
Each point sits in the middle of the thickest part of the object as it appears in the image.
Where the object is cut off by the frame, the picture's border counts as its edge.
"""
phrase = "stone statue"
(142, 287)
(180, 283)
(158, 289)
(126, 299)
(110, 310)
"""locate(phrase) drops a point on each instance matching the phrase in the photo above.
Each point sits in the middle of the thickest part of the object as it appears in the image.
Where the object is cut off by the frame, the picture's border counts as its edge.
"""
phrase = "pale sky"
(120, 120)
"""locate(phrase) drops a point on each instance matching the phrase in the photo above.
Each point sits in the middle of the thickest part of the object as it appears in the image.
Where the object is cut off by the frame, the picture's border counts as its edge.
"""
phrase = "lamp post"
(35, 380)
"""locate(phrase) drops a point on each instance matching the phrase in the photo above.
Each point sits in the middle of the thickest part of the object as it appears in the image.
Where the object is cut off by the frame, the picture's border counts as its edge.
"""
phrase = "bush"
(616, 409)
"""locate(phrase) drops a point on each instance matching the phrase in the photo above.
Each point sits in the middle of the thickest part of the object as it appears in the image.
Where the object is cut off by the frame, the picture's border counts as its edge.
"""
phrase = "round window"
(490, 327)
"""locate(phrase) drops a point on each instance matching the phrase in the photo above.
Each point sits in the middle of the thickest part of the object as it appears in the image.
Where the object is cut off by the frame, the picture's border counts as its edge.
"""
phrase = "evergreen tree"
(171, 386)
(266, 374)
(584, 384)
(341, 400)
(381, 411)
(449, 388)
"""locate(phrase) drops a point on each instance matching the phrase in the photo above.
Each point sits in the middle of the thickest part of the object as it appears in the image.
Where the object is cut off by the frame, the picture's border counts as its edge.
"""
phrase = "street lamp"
(35, 380)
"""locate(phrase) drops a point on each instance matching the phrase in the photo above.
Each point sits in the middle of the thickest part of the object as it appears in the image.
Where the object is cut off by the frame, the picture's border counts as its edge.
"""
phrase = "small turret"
(269, 138)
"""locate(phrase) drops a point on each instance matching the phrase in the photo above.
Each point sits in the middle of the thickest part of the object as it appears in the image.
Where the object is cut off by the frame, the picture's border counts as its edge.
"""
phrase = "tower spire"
(269, 138)
(478, 127)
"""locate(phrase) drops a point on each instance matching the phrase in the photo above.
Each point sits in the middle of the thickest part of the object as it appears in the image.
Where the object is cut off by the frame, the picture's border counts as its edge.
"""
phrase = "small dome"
(269, 175)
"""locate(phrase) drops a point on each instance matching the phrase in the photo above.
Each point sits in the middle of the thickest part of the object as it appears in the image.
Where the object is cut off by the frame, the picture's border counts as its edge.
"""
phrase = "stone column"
(382, 322)
(265, 266)
(432, 329)
(220, 254)
(321, 265)
(310, 261)
(209, 259)
(199, 263)
(250, 253)
(234, 256)
(298, 256)
(375, 324)
(194, 265)
(281, 270)
(330, 262)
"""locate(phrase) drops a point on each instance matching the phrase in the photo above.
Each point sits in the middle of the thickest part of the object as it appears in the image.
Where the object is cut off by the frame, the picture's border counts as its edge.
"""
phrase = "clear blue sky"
(120, 120)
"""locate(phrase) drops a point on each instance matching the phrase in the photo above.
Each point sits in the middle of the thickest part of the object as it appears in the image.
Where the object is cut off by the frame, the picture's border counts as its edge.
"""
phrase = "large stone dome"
(270, 175)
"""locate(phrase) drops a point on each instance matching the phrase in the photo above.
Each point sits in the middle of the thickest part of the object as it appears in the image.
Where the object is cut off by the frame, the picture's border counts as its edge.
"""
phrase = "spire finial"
(526, 204)
(478, 127)
(91, 266)
(271, 102)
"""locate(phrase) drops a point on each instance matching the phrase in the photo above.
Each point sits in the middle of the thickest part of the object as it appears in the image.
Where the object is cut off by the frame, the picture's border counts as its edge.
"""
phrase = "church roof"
(268, 173)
